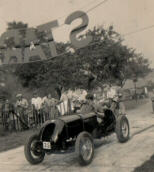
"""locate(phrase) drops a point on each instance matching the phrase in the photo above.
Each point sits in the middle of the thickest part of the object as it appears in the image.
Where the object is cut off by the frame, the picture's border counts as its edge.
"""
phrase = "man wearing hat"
(21, 109)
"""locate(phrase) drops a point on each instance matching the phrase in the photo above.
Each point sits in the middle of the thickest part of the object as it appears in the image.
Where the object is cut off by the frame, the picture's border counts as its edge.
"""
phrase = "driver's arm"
(99, 110)
(100, 115)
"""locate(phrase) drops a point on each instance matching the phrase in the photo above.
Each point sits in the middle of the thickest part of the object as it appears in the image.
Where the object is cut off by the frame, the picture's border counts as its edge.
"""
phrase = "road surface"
(110, 156)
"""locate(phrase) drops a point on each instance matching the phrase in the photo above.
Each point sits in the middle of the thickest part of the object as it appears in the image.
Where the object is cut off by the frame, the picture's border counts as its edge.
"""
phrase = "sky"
(125, 15)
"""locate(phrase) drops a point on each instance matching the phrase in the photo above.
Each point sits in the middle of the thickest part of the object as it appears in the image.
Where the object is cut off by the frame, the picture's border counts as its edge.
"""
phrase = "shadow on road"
(146, 166)
(100, 142)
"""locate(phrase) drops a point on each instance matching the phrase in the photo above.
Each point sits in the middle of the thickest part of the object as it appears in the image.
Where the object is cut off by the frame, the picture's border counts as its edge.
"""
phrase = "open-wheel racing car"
(75, 131)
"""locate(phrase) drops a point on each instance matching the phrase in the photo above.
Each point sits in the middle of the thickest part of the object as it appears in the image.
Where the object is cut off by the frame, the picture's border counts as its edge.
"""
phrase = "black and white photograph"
(76, 86)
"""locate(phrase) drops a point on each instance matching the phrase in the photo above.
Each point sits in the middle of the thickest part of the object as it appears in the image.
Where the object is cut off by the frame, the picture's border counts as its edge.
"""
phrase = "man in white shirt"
(36, 102)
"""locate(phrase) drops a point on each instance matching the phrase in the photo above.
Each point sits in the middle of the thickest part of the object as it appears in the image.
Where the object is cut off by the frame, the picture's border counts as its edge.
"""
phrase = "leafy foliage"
(104, 60)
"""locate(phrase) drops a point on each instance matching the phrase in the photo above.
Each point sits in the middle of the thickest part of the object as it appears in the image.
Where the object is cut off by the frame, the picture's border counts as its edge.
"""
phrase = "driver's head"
(89, 97)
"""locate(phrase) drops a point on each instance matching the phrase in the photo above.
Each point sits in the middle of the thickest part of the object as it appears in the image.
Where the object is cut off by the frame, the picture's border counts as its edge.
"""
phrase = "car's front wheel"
(84, 148)
(33, 150)
(122, 128)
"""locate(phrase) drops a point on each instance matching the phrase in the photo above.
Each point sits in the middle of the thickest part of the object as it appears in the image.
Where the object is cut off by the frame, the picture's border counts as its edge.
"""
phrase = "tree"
(137, 67)
(104, 60)
(109, 60)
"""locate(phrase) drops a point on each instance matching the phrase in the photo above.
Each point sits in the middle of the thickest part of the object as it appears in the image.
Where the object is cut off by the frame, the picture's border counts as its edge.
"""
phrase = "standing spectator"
(51, 107)
(59, 90)
(5, 114)
(146, 91)
(8, 116)
(21, 109)
(54, 113)
(36, 103)
(152, 99)
(65, 107)
(45, 110)
(12, 118)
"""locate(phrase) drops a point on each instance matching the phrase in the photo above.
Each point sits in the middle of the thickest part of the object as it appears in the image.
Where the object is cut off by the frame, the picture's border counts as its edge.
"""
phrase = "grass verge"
(14, 140)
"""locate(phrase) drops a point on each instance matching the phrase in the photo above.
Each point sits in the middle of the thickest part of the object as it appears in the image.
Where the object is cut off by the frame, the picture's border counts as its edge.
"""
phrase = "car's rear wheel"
(84, 148)
(122, 128)
(33, 150)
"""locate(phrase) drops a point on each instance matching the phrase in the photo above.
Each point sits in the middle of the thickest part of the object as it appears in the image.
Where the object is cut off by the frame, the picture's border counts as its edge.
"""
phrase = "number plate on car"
(46, 145)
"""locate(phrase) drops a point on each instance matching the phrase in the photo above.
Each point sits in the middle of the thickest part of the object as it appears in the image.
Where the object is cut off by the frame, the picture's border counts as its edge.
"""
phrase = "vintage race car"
(75, 131)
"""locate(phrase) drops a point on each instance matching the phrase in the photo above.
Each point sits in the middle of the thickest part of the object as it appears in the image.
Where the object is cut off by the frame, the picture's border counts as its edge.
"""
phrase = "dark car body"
(67, 128)
(75, 131)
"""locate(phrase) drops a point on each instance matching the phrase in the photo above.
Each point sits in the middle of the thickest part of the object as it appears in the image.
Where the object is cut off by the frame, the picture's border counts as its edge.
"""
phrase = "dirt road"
(110, 156)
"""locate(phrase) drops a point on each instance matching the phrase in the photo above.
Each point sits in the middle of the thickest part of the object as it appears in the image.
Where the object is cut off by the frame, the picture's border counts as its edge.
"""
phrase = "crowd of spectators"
(24, 114)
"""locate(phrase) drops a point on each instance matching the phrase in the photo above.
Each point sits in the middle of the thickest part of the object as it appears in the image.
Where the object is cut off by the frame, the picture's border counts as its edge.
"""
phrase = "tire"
(122, 129)
(84, 144)
(34, 156)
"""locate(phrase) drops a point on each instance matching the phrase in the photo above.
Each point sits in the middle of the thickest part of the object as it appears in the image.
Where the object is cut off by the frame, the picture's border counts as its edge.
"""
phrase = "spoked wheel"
(122, 129)
(84, 148)
(33, 150)
(125, 129)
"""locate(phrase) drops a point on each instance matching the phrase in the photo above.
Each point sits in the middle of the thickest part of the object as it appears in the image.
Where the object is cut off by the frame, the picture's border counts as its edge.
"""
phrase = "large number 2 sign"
(30, 36)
